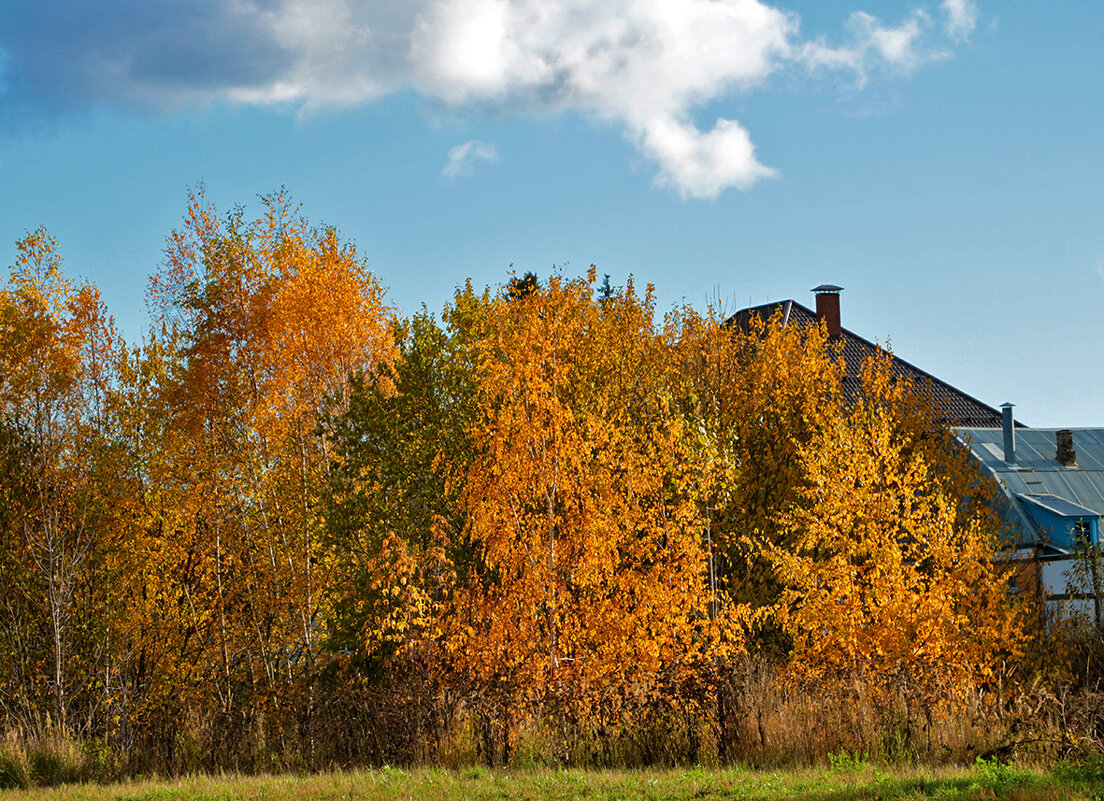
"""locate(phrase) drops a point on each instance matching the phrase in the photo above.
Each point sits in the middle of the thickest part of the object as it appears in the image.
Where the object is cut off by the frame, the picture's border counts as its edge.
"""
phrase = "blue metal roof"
(1059, 506)
(1037, 476)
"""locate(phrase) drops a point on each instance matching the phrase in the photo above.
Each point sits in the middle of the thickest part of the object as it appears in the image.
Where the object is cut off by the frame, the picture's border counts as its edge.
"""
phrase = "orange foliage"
(57, 343)
(754, 396)
(570, 511)
(58, 355)
(891, 585)
(591, 587)
(261, 323)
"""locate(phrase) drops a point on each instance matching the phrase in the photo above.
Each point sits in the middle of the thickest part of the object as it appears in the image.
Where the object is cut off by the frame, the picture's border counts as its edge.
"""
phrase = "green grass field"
(845, 780)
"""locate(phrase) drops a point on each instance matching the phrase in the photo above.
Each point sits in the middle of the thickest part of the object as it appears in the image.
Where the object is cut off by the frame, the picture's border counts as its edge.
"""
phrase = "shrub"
(15, 771)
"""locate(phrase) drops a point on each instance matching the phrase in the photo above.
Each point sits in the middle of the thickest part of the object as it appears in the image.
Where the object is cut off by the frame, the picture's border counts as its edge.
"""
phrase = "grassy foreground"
(845, 780)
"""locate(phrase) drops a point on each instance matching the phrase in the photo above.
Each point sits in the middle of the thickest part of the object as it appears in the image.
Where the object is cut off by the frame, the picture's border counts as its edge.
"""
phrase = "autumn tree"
(891, 590)
(395, 524)
(589, 589)
(259, 324)
(756, 394)
(58, 355)
(402, 449)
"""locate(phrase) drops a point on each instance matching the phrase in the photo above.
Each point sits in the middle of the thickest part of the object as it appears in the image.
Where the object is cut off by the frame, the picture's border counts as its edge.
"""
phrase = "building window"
(1082, 532)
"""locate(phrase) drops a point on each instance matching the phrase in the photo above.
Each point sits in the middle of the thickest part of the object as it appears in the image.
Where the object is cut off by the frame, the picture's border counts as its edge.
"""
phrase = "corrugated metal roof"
(1059, 506)
(1037, 472)
(958, 408)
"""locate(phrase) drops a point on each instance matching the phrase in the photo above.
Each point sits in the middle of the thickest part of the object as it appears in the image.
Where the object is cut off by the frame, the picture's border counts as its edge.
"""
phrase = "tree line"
(292, 527)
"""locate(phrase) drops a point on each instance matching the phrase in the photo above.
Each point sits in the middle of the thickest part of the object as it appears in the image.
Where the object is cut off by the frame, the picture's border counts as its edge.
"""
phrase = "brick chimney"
(827, 307)
(1066, 454)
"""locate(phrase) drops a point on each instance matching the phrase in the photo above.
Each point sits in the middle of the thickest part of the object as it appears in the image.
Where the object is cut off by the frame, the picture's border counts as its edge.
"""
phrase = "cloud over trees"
(646, 67)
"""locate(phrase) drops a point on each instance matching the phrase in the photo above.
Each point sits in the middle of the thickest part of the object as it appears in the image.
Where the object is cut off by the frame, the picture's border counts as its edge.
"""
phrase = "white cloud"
(903, 47)
(644, 66)
(961, 18)
(896, 46)
(702, 165)
(462, 158)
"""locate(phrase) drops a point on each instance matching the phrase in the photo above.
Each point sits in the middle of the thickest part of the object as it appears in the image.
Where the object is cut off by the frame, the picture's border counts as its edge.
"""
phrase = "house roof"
(1037, 478)
(1036, 471)
(958, 408)
(1058, 505)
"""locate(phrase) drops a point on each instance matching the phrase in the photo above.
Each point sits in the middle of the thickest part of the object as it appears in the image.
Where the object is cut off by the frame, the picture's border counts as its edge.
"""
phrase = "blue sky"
(942, 161)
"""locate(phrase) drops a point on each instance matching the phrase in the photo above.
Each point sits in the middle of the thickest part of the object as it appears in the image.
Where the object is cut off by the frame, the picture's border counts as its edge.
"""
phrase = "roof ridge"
(921, 370)
(979, 410)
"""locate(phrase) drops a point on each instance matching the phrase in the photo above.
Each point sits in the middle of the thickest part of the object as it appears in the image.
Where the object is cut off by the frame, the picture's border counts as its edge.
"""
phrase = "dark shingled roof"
(958, 408)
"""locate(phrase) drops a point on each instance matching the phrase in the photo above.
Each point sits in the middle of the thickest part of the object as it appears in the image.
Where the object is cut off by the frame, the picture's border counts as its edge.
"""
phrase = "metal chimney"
(1009, 426)
(1066, 454)
(827, 307)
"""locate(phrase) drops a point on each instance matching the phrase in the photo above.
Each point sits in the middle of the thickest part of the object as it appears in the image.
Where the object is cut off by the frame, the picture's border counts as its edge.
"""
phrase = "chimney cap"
(1007, 404)
(824, 288)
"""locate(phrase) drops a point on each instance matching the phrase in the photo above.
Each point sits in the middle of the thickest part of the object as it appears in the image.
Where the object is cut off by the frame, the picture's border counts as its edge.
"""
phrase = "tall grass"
(47, 759)
(408, 718)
